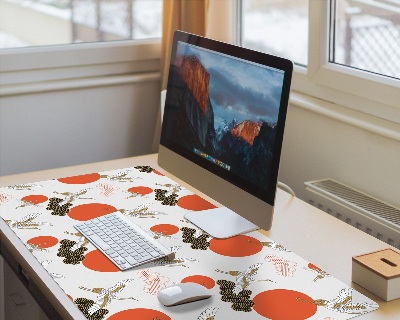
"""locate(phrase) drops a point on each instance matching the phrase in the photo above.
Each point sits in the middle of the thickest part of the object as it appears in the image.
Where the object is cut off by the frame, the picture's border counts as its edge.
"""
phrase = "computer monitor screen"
(222, 130)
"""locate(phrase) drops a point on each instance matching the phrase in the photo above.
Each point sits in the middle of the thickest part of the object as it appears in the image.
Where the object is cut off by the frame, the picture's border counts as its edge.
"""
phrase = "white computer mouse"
(183, 293)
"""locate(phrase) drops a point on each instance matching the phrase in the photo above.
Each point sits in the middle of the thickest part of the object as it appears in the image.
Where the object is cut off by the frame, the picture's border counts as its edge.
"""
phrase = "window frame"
(48, 65)
(357, 90)
(360, 90)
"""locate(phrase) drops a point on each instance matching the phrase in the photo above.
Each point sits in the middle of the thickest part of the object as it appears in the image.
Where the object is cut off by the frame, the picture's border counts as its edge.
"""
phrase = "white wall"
(68, 127)
(317, 147)
(75, 104)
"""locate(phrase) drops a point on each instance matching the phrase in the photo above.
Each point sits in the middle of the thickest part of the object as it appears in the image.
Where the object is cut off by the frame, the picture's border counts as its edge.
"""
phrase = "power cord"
(286, 188)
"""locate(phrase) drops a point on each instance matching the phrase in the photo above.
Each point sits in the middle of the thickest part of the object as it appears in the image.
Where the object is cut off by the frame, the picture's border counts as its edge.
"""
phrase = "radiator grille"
(363, 211)
(360, 200)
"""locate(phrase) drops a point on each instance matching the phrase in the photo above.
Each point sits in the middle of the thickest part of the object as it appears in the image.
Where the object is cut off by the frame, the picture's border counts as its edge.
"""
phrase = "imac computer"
(222, 130)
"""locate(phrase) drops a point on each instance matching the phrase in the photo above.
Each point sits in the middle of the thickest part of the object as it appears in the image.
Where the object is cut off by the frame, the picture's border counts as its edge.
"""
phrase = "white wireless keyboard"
(122, 241)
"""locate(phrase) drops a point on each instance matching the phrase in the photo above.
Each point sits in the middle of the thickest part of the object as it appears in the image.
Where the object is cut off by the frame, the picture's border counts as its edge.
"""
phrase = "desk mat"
(251, 276)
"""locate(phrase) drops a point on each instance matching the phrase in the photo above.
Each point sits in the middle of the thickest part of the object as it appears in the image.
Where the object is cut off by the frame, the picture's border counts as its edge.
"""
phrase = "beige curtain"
(185, 15)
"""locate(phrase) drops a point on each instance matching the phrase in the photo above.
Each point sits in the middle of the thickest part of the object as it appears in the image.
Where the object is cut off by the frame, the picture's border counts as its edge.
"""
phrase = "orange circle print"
(43, 241)
(205, 281)
(95, 260)
(165, 229)
(158, 172)
(282, 304)
(35, 198)
(139, 313)
(89, 211)
(195, 203)
(81, 179)
(141, 190)
(237, 246)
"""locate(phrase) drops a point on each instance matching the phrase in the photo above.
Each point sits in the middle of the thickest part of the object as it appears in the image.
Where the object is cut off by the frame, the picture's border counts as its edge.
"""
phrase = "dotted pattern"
(71, 257)
(240, 301)
(199, 243)
(85, 304)
(57, 210)
(166, 201)
(146, 169)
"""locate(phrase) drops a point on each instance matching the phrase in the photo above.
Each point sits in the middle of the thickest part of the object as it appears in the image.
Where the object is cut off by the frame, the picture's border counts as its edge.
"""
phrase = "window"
(37, 55)
(345, 51)
(53, 22)
(277, 27)
(366, 35)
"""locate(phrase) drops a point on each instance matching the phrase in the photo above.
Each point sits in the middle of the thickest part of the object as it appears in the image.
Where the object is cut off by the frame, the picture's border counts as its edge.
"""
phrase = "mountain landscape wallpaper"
(225, 109)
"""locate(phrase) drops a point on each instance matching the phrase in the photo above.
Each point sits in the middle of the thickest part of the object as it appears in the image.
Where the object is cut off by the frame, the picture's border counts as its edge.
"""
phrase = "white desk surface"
(298, 226)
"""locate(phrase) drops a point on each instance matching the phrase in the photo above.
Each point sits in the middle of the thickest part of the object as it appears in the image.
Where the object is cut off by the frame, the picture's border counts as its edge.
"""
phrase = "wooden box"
(378, 272)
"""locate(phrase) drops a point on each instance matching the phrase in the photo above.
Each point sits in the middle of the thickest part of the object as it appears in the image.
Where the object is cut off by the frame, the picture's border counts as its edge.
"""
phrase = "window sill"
(90, 82)
(37, 65)
(352, 117)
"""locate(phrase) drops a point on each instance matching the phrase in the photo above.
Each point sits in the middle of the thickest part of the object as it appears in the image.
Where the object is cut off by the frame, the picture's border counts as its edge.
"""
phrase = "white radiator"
(356, 208)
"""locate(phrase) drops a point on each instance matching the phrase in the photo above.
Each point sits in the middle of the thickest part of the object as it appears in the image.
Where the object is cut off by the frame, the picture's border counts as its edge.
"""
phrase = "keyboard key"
(114, 255)
(140, 259)
(154, 253)
(124, 254)
(109, 251)
(103, 245)
(120, 261)
(131, 260)
(120, 250)
(146, 256)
